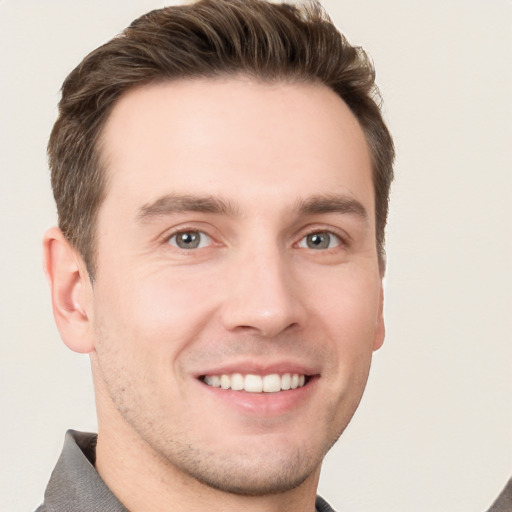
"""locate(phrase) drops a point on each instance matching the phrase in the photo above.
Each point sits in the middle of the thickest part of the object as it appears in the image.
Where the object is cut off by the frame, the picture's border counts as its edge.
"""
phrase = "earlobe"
(68, 281)
(380, 329)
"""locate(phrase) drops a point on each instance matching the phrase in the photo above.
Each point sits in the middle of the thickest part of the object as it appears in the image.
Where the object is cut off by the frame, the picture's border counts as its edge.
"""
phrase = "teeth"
(272, 383)
(256, 383)
(225, 382)
(253, 384)
(237, 382)
(212, 380)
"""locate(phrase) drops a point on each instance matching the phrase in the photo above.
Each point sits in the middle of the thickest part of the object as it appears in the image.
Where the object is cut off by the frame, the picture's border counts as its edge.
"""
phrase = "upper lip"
(259, 368)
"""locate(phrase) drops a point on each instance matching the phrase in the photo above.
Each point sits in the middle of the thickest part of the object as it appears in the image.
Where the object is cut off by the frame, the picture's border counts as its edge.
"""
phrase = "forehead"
(243, 140)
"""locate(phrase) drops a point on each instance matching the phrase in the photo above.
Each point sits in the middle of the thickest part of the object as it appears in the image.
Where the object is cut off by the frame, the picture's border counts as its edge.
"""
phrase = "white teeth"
(251, 383)
(272, 383)
(225, 381)
(237, 382)
(212, 380)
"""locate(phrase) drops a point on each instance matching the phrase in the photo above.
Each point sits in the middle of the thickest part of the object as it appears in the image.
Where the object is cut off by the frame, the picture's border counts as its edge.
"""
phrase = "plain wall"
(434, 430)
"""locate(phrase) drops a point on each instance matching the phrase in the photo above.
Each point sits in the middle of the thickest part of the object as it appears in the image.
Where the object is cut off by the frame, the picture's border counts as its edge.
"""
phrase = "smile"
(251, 383)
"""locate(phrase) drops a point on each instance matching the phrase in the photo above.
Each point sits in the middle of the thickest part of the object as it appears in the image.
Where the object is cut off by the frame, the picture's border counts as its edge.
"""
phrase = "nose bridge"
(262, 297)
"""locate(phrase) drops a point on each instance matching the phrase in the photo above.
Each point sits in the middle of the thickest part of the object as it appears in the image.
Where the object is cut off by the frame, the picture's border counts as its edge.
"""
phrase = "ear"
(380, 329)
(71, 291)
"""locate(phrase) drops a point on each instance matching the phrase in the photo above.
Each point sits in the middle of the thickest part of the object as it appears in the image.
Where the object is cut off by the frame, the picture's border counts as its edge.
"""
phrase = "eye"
(190, 240)
(320, 240)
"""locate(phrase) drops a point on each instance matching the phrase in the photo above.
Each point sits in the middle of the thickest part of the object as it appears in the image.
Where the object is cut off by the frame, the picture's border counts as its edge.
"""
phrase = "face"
(238, 297)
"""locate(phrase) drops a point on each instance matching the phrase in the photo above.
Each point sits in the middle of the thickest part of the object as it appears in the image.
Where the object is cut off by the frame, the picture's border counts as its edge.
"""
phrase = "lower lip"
(263, 404)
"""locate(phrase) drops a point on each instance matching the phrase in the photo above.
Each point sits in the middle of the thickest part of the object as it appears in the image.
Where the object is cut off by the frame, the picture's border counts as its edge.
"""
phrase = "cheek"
(349, 308)
(348, 315)
(158, 314)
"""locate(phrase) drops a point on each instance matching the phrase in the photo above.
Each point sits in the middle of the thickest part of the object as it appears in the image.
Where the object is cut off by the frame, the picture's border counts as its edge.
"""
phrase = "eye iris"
(318, 240)
(188, 240)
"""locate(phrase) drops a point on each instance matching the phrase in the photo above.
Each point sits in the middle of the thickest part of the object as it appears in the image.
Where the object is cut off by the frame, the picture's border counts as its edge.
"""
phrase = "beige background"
(434, 432)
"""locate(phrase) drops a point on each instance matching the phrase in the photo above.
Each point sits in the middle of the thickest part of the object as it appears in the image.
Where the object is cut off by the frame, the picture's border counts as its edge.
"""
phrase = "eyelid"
(338, 242)
(342, 236)
(168, 234)
(202, 234)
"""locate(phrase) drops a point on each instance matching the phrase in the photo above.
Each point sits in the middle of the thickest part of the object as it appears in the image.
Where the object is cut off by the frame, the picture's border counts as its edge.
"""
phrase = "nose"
(262, 297)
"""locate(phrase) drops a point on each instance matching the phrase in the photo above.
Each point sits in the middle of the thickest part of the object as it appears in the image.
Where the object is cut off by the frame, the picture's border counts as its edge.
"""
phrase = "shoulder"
(504, 501)
(322, 506)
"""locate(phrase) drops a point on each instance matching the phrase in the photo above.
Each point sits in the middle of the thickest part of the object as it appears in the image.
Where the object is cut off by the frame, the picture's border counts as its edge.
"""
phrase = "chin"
(254, 475)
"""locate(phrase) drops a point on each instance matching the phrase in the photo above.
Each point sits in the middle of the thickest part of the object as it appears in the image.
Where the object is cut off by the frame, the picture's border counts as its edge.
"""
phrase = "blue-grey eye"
(190, 240)
(320, 240)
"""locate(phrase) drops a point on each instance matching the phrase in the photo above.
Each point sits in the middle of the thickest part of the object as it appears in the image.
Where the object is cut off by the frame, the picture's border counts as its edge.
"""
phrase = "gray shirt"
(75, 486)
(504, 501)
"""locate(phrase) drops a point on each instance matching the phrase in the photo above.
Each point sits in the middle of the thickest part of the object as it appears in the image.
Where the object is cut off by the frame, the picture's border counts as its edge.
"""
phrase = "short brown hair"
(262, 40)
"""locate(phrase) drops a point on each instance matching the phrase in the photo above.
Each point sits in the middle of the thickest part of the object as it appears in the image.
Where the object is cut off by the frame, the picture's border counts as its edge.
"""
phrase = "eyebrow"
(316, 205)
(342, 204)
(176, 203)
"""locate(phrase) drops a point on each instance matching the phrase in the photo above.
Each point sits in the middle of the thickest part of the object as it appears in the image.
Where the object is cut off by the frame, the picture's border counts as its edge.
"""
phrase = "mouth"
(253, 383)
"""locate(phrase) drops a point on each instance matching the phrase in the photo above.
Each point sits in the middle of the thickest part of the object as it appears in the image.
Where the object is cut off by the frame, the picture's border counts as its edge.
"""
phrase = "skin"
(252, 169)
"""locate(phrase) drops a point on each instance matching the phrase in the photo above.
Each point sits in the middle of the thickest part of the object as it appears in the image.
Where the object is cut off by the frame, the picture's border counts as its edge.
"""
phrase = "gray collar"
(75, 485)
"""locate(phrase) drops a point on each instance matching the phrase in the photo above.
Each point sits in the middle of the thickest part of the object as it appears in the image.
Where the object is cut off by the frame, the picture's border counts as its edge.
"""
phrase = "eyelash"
(340, 239)
(182, 231)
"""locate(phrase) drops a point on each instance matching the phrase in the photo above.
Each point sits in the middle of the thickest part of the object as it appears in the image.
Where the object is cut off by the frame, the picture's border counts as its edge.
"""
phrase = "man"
(221, 172)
